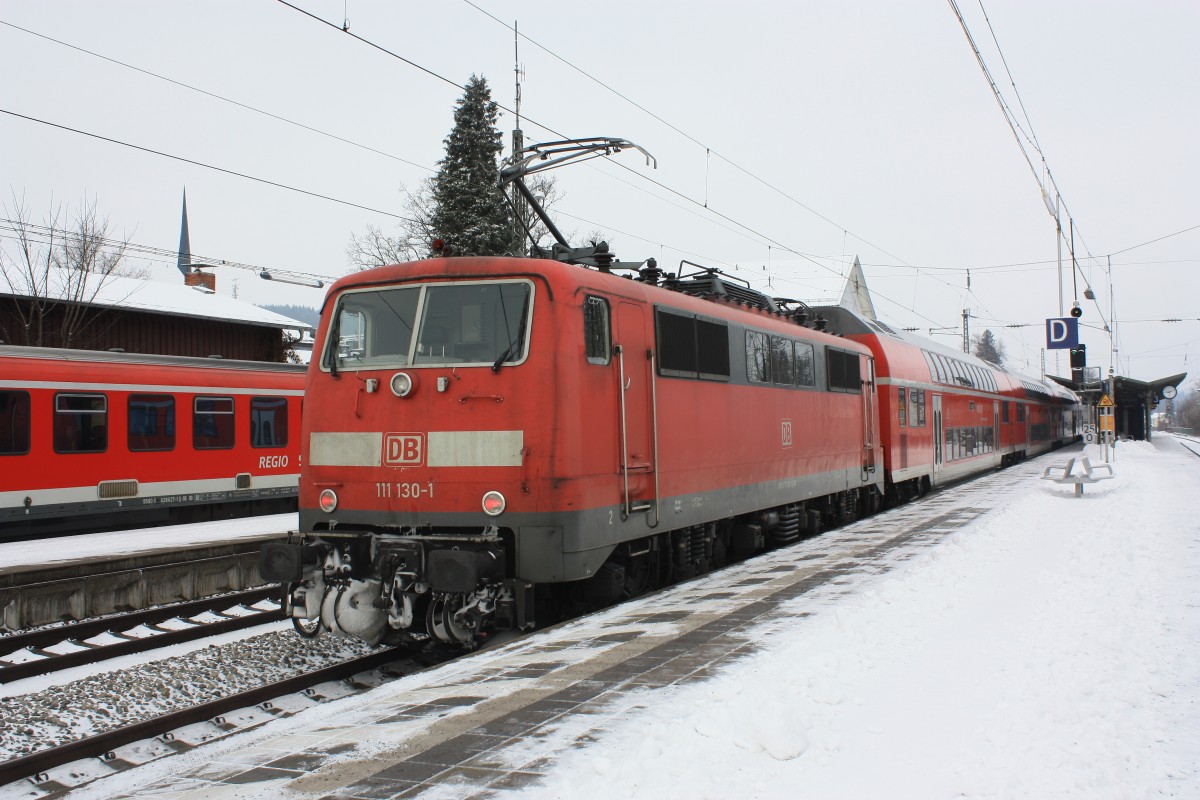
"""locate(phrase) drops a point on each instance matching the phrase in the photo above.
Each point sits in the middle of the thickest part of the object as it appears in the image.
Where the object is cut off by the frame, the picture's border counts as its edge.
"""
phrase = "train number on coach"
(405, 491)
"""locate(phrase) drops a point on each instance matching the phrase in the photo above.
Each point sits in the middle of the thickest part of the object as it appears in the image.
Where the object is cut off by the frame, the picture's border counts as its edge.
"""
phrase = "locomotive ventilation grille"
(117, 490)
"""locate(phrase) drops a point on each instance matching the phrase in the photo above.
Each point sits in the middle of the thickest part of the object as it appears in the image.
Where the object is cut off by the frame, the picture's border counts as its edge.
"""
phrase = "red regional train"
(486, 439)
(97, 440)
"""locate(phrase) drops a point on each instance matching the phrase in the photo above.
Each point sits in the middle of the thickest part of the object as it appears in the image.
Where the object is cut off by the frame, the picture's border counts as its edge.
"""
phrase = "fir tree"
(989, 348)
(470, 212)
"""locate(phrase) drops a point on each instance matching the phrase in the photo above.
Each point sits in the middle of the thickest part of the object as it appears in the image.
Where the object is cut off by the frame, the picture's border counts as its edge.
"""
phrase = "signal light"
(1079, 357)
(493, 504)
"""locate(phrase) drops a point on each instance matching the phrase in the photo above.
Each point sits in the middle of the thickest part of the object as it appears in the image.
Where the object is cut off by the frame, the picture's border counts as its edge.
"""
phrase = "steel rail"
(35, 765)
(77, 633)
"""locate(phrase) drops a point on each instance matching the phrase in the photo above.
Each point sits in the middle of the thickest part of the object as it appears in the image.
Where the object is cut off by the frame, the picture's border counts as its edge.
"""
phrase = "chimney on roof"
(185, 247)
(205, 280)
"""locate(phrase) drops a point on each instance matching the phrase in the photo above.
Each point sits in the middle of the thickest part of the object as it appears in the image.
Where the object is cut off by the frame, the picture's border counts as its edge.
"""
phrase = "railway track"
(116, 631)
(36, 766)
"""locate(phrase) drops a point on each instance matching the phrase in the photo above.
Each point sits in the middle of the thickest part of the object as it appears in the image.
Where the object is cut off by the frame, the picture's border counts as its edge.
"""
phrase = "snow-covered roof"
(160, 297)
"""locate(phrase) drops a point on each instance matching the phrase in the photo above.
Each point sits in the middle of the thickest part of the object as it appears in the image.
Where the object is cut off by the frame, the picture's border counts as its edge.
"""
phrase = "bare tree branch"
(56, 274)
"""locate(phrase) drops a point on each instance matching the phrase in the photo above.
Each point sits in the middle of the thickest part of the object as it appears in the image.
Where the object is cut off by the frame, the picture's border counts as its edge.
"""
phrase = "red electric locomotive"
(479, 427)
(94, 440)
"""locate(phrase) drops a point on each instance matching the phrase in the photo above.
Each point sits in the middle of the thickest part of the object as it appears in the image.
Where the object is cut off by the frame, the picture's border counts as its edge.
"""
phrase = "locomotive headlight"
(493, 504)
(328, 501)
(402, 384)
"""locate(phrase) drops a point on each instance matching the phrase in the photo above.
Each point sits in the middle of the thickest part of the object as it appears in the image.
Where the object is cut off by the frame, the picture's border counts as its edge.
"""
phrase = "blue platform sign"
(1062, 333)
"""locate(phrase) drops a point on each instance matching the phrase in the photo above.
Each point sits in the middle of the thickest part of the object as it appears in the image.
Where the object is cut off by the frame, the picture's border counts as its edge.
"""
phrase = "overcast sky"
(814, 132)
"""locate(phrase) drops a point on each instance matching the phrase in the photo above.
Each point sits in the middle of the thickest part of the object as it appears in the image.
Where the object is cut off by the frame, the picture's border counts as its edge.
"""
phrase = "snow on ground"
(1051, 650)
(70, 549)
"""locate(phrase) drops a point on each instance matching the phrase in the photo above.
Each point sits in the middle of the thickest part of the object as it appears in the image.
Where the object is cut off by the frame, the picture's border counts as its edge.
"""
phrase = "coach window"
(943, 370)
(80, 423)
(782, 361)
(916, 411)
(902, 405)
(758, 357)
(151, 422)
(1004, 411)
(1020, 412)
(14, 423)
(268, 422)
(597, 333)
(212, 423)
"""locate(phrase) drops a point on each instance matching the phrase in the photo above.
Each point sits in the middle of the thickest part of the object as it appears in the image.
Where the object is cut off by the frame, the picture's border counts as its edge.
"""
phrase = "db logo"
(786, 433)
(403, 449)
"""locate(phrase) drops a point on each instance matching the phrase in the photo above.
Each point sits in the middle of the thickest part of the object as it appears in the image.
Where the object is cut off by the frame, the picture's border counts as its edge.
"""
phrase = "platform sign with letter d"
(1062, 333)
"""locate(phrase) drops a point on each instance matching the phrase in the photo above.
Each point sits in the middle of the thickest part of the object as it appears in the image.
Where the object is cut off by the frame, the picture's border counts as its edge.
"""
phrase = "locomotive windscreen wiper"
(514, 345)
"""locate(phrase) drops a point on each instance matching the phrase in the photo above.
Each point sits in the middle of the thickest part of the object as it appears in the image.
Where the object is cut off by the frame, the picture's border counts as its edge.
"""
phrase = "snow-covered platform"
(1000, 639)
(93, 551)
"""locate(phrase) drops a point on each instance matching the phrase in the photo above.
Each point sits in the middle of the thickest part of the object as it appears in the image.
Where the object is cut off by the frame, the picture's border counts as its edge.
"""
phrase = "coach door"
(869, 420)
(996, 449)
(938, 439)
(639, 447)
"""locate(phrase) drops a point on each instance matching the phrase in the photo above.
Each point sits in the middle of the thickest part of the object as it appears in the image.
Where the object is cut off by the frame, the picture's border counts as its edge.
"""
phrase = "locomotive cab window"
(268, 422)
(14, 423)
(80, 423)
(463, 323)
(597, 331)
(151, 422)
(212, 423)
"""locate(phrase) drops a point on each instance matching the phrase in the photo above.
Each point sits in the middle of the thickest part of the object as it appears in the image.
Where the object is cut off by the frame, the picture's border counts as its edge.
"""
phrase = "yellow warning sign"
(1106, 402)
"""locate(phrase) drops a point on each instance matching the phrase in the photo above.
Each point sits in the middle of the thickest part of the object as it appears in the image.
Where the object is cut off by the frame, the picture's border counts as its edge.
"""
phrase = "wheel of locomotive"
(308, 628)
(439, 621)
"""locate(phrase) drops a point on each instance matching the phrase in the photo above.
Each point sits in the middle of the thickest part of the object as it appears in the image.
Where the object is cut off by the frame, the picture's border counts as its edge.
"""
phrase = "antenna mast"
(520, 208)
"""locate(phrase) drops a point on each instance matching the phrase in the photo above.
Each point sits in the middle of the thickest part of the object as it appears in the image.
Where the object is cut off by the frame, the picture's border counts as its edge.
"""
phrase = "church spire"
(185, 247)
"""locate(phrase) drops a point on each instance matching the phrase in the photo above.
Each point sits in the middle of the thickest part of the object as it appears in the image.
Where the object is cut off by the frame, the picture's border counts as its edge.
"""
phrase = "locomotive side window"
(806, 373)
(691, 347)
(843, 369)
(151, 422)
(268, 422)
(597, 331)
(782, 361)
(14, 423)
(212, 423)
(902, 406)
(758, 357)
(676, 344)
(712, 349)
(80, 423)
